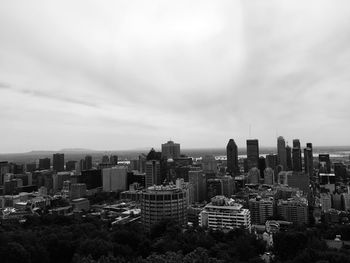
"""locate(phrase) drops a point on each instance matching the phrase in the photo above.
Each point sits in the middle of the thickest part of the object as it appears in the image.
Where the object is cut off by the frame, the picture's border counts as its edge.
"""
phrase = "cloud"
(200, 72)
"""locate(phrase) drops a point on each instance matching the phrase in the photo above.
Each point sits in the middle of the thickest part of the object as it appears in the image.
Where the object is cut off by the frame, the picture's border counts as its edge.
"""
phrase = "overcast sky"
(113, 75)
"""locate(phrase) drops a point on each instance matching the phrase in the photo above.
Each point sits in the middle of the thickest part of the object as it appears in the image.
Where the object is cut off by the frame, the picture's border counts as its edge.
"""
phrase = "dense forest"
(52, 238)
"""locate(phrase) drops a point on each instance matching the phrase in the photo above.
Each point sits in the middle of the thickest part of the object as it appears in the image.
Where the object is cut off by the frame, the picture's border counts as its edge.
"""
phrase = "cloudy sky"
(125, 74)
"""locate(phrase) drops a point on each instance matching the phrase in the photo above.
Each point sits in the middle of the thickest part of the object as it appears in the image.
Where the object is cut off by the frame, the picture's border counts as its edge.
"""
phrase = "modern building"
(77, 191)
(254, 176)
(223, 213)
(80, 204)
(113, 159)
(252, 153)
(269, 176)
(58, 162)
(198, 181)
(232, 157)
(324, 163)
(70, 165)
(170, 150)
(153, 176)
(163, 203)
(88, 162)
(289, 166)
(114, 179)
(308, 159)
(44, 164)
(271, 161)
(325, 202)
(92, 178)
(209, 163)
(261, 209)
(296, 153)
(294, 210)
(281, 152)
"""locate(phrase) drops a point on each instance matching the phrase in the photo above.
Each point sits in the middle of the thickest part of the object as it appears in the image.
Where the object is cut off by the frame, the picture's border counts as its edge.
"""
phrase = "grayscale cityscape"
(174, 131)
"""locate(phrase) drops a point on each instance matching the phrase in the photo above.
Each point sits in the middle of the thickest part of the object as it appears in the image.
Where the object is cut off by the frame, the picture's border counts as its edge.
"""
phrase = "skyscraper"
(198, 181)
(170, 150)
(252, 153)
(297, 161)
(232, 157)
(58, 162)
(324, 163)
(44, 164)
(153, 173)
(271, 161)
(289, 158)
(308, 159)
(281, 152)
(88, 162)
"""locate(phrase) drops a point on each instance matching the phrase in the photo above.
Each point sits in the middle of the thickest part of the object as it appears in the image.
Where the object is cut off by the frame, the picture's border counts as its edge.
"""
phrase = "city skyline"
(126, 75)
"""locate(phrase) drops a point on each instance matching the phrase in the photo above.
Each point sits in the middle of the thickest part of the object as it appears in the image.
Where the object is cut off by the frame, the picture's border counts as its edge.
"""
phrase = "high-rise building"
(252, 153)
(163, 203)
(296, 143)
(324, 163)
(209, 163)
(198, 181)
(269, 177)
(289, 163)
(281, 152)
(70, 165)
(223, 213)
(294, 210)
(297, 161)
(113, 159)
(271, 161)
(232, 157)
(114, 179)
(58, 162)
(308, 159)
(77, 191)
(92, 178)
(153, 173)
(261, 209)
(170, 150)
(262, 165)
(325, 201)
(105, 159)
(214, 188)
(254, 176)
(44, 164)
(88, 162)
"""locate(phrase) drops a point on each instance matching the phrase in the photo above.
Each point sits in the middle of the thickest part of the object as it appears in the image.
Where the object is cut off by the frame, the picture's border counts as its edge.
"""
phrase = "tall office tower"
(30, 167)
(163, 203)
(308, 159)
(88, 162)
(198, 181)
(232, 158)
(114, 179)
(44, 164)
(170, 150)
(77, 191)
(58, 162)
(271, 161)
(113, 159)
(262, 166)
(296, 143)
(70, 165)
(153, 173)
(92, 178)
(224, 213)
(209, 163)
(294, 210)
(281, 152)
(324, 163)
(261, 209)
(252, 153)
(254, 176)
(105, 159)
(269, 176)
(214, 188)
(297, 161)
(289, 163)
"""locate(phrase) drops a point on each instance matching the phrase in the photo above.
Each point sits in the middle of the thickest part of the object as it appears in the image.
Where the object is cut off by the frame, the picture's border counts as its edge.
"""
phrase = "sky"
(129, 74)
